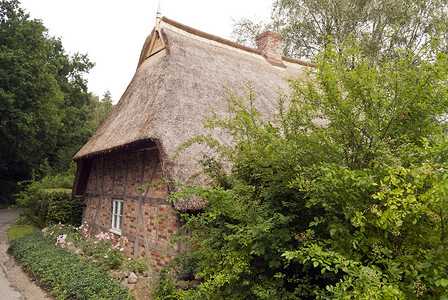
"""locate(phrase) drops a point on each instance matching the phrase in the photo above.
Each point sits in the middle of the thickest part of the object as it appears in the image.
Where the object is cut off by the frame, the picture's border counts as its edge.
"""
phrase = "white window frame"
(117, 216)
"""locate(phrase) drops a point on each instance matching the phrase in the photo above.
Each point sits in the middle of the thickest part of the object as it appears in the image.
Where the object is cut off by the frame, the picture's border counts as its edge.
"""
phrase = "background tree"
(380, 26)
(44, 100)
(100, 109)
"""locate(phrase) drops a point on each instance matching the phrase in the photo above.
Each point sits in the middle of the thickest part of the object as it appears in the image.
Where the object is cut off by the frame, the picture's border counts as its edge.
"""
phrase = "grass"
(20, 230)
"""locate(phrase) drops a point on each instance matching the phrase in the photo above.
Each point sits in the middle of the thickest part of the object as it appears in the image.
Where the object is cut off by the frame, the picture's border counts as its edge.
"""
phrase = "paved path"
(14, 283)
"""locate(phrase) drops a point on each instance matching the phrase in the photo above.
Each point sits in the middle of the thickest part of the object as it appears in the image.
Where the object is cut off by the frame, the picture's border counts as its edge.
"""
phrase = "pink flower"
(105, 256)
(121, 249)
(61, 239)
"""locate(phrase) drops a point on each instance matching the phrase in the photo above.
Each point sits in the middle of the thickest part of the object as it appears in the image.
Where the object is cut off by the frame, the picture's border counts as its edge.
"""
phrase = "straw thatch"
(178, 84)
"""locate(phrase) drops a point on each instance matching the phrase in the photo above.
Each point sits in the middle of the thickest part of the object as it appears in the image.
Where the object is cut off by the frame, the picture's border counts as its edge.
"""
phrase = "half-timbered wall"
(148, 219)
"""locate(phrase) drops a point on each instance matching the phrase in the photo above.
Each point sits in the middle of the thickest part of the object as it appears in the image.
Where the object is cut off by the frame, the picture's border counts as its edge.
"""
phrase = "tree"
(101, 108)
(44, 97)
(341, 196)
(380, 26)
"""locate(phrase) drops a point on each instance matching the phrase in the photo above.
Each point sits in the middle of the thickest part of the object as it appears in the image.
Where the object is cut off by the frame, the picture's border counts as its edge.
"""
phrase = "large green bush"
(68, 275)
(353, 206)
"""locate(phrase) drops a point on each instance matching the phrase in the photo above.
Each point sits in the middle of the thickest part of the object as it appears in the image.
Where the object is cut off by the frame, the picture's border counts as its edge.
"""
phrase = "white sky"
(112, 32)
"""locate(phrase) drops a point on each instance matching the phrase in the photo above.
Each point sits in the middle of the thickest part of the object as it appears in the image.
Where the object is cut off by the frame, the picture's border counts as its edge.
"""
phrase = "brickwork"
(130, 217)
(108, 175)
(89, 211)
(104, 216)
(119, 176)
(270, 44)
(92, 183)
(150, 213)
(120, 173)
(134, 173)
(166, 229)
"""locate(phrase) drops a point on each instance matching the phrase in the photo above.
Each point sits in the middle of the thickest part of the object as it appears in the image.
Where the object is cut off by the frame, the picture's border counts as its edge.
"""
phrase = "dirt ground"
(17, 282)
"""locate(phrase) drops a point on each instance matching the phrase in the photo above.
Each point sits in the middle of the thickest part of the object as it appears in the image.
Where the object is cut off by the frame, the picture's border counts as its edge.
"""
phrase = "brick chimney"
(270, 45)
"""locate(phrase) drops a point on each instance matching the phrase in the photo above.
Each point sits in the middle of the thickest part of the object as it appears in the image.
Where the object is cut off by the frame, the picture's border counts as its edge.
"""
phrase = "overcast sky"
(112, 32)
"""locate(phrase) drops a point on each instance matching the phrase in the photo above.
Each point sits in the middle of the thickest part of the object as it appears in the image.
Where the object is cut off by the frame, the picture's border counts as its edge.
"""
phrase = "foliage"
(342, 195)
(100, 109)
(380, 26)
(165, 288)
(103, 247)
(187, 266)
(137, 265)
(17, 231)
(44, 101)
(67, 274)
(49, 201)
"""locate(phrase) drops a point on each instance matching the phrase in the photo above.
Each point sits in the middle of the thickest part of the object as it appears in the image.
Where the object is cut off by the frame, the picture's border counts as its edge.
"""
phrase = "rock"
(131, 287)
(199, 278)
(144, 289)
(45, 229)
(194, 284)
(124, 283)
(72, 249)
(181, 284)
(132, 278)
(120, 275)
(78, 252)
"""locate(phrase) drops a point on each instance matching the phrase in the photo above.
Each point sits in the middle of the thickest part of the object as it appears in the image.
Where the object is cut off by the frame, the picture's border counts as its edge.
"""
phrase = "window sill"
(115, 231)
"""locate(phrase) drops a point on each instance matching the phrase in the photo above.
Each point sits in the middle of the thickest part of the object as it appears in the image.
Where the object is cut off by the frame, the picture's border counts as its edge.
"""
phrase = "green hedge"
(68, 275)
(51, 206)
(57, 205)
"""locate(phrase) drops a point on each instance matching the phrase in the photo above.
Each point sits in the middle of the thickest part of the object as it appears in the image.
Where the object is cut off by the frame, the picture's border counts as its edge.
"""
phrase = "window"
(117, 216)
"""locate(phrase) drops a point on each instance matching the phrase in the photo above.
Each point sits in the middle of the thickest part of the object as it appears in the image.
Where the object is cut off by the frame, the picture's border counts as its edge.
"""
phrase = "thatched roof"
(173, 88)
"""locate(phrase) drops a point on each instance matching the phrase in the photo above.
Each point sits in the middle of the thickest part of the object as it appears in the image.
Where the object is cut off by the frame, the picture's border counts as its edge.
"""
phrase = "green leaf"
(444, 282)
(425, 265)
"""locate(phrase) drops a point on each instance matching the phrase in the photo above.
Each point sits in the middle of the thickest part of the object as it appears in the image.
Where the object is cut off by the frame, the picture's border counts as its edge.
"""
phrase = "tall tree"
(43, 107)
(100, 109)
(380, 26)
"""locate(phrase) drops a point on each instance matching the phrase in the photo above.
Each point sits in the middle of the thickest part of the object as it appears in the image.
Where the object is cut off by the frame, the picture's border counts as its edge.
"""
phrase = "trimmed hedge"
(68, 275)
(57, 205)
(51, 206)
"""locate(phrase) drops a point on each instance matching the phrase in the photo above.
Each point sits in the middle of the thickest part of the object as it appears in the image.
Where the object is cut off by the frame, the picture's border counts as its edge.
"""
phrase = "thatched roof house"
(180, 76)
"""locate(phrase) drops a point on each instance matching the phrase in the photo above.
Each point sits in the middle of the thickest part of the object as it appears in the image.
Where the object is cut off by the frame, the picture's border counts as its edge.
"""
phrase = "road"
(14, 283)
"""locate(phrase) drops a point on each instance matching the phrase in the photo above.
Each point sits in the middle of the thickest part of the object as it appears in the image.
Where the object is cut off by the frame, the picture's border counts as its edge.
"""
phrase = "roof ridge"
(227, 42)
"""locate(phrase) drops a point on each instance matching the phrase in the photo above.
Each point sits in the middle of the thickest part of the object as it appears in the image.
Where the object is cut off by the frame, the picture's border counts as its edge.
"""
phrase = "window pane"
(117, 214)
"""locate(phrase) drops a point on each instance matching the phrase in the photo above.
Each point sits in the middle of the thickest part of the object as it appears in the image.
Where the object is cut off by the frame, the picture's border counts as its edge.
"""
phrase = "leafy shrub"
(48, 201)
(165, 288)
(66, 273)
(352, 208)
(184, 266)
